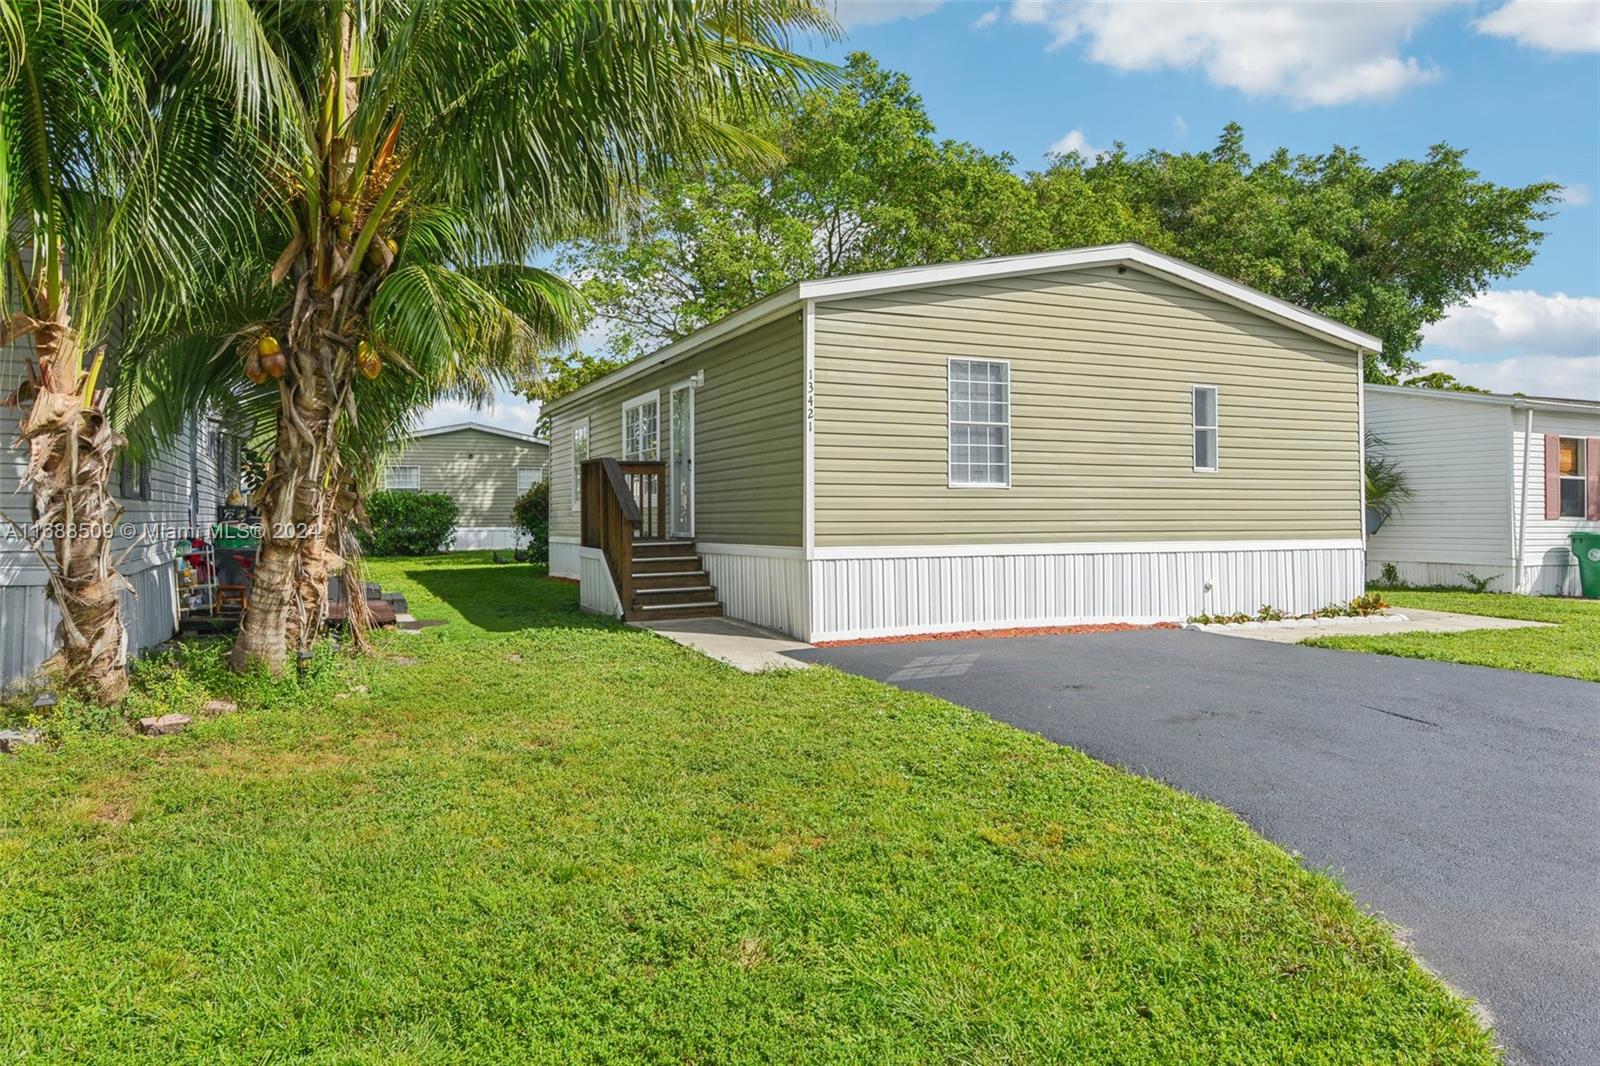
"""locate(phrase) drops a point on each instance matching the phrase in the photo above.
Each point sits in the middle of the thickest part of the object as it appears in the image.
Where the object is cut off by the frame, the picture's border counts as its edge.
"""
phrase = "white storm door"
(682, 460)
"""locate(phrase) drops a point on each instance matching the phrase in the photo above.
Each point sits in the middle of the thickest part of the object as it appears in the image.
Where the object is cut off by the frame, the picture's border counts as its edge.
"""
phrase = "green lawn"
(1570, 650)
(540, 836)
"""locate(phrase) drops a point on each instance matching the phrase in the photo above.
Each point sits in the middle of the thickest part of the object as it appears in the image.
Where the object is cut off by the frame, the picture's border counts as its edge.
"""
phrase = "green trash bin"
(1586, 546)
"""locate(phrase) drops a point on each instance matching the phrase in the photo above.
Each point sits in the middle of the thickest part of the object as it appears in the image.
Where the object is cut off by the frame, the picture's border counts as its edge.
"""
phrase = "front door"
(682, 460)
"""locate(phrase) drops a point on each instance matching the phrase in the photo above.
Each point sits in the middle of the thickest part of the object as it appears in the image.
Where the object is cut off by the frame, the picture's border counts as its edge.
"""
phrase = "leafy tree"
(122, 169)
(562, 374)
(862, 185)
(433, 149)
(867, 186)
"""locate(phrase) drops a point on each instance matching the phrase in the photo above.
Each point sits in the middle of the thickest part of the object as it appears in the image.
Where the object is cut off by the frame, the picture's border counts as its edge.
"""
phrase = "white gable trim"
(481, 428)
(1081, 258)
(1135, 255)
(1497, 399)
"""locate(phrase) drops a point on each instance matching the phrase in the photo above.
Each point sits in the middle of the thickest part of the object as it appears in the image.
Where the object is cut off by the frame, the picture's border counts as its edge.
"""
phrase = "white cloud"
(507, 411)
(1312, 54)
(1180, 127)
(987, 19)
(1551, 323)
(853, 14)
(1570, 376)
(1571, 26)
(1075, 141)
(1576, 195)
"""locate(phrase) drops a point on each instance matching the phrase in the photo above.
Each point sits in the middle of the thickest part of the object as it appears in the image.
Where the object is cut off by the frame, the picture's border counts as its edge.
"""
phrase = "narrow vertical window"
(980, 423)
(1205, 427)
(580, 453)
(1573, 479)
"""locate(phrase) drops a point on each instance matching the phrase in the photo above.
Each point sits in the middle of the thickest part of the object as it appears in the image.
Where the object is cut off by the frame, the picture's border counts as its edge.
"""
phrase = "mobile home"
(1498, 485)
(1100, 434)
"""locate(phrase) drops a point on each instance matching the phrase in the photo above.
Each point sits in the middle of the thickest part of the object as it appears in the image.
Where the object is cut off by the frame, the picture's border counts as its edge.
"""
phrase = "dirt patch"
(111, 814)
(983, 634)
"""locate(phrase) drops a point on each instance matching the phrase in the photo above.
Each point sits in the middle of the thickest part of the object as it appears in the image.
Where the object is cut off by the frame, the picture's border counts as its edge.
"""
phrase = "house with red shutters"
(1499, 484)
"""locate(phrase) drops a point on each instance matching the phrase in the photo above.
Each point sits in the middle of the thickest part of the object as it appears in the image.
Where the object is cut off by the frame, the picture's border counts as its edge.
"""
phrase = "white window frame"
(1581, 477)
(579, 428)
(950, 423)
(536, 479)
(1215, 427)
(644, 399)
(389, 478)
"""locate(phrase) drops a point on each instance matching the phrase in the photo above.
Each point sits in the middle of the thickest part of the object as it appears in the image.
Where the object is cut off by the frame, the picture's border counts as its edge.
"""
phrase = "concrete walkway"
(1413, 620)
(739, 644)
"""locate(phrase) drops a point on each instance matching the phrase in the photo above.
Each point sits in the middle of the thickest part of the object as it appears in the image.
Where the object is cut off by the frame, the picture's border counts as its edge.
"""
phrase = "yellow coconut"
(267, 345)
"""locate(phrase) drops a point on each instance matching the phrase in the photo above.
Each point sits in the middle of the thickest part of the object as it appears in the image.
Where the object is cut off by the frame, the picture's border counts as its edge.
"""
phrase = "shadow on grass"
(496, 598)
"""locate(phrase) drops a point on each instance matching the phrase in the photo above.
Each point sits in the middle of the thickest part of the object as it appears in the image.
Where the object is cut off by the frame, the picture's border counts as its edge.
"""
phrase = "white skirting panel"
(473, 538)
(596, 591)
(1544, 579)
(564, 558)
(1448, 575)
(759, 584)
(875, 592)
(28, 618)
(1552, 579)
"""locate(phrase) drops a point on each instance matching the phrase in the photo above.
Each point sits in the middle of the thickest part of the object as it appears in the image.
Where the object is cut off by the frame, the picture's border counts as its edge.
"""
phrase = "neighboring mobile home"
(483, 468)
(163, 500)
(1103, 434)
(1484, 502)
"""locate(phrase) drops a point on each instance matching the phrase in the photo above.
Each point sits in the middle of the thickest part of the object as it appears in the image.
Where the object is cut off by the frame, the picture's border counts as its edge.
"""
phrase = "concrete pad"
(1414, 620)
(739, 644)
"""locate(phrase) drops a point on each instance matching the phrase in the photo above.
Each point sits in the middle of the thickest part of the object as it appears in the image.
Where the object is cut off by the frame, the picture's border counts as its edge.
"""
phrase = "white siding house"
(1486, 503)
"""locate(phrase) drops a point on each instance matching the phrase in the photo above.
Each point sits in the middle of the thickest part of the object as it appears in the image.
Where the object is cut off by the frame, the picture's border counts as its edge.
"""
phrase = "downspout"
(1361, 449)
(1522, 502)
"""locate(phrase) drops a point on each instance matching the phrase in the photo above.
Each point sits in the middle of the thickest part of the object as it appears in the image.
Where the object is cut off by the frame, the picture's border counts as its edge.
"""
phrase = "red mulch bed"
(566, 580)
(980, 634)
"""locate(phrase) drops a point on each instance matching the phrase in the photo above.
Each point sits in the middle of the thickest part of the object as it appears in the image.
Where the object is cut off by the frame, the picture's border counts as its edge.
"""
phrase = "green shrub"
(531, 514)
(409, 523)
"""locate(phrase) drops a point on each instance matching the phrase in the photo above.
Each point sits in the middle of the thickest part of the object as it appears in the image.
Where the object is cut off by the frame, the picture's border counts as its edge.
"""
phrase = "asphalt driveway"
(1462, 803)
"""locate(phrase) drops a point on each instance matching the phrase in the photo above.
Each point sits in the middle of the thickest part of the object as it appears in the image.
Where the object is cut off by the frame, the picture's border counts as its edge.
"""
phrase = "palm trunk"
(292, 503)
(71, 449)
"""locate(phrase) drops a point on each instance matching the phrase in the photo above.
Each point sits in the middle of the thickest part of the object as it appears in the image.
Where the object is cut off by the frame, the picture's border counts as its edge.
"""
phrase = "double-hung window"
(403, 478)
(580, 453)
(527, 478)
(641, 428)
(1573, 477)
(980, 423)
(1204, 413)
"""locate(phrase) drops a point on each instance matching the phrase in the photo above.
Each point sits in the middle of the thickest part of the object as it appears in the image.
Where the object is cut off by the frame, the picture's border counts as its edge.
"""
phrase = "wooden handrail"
(621, 500)
(619, 486)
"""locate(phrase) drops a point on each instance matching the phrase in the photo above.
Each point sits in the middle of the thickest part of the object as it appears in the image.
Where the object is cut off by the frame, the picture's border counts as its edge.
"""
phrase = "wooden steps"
(670, 581)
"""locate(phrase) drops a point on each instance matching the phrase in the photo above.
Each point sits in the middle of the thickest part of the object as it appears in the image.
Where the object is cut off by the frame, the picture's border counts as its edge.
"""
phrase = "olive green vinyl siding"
(1101, 369)
(749, 444)
(476, 469)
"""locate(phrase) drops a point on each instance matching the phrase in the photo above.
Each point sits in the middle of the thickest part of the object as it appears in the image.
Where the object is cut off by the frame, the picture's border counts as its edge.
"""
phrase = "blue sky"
(1517, 84)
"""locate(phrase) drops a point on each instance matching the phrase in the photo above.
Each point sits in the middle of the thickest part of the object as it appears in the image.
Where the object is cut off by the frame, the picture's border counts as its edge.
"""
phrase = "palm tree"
(436, 147)
(114, 158)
